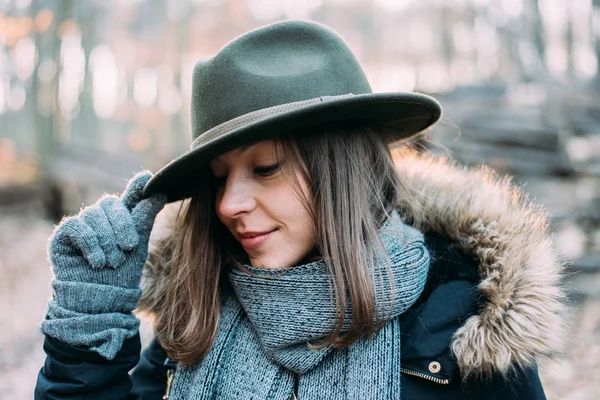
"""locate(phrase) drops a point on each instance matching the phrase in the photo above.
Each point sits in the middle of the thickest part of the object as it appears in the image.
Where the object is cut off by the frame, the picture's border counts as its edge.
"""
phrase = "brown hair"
(353, 187)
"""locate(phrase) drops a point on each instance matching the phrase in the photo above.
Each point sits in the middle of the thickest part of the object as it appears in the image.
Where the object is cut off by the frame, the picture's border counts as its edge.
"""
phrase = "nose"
(237, 197)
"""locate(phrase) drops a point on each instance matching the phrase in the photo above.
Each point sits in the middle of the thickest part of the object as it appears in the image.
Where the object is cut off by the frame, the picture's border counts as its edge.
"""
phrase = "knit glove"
(97, 258)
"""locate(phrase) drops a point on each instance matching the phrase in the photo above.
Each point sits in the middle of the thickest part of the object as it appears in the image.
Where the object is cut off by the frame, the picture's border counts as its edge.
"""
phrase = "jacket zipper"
(406, 371)
(421, 375)
(170, 376)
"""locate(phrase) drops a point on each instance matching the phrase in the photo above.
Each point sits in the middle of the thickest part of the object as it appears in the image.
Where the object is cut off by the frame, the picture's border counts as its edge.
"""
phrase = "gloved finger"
(122, 224)
(96, 218)
(145, 212)
(135, 189)
(63, 253)
(74, 233)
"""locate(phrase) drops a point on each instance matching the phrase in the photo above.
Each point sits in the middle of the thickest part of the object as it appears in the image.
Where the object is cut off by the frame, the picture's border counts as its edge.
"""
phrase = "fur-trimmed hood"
(488, 218)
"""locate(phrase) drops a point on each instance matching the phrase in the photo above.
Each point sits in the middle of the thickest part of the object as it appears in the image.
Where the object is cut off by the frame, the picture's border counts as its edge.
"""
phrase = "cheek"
(298, 221)
(285, 204)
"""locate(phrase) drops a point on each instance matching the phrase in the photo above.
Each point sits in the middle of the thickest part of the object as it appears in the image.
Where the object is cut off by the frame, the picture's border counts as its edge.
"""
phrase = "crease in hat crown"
(281, 63)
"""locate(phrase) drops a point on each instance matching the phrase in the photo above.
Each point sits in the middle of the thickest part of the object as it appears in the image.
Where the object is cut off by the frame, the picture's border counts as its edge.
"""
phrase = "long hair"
(353, 188)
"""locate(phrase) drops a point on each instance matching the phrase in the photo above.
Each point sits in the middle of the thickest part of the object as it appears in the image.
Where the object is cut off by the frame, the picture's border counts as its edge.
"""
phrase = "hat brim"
(405, 114)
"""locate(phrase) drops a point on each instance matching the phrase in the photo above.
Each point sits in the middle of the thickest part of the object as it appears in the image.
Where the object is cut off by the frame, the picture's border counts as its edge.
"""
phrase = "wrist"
(101, 333)
(94, 298)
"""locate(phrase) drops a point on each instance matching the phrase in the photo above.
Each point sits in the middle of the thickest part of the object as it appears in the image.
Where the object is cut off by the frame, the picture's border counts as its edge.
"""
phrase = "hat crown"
(277, 64)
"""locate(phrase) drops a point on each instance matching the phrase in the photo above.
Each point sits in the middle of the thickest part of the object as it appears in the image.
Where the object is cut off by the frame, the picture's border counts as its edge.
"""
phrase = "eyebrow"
(243, 149)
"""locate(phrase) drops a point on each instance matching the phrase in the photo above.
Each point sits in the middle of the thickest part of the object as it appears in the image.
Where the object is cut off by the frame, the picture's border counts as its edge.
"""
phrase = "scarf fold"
(266, 324)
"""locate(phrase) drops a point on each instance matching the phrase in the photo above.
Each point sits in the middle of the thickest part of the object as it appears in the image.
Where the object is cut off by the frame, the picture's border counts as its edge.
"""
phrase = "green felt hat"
(280, 78)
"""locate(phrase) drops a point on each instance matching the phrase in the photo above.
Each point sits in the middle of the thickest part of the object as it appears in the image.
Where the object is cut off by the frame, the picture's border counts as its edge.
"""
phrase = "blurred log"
(44, 200)
(512, 159)
(11, 195)
(511, 128)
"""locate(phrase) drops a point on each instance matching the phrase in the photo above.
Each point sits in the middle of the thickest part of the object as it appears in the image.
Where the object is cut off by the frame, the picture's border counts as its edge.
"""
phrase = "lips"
(252, 240)
(249, 234)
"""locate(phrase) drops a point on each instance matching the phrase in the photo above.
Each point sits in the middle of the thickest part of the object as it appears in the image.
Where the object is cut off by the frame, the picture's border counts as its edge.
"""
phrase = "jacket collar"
(427, 330)
(450, 297)
(520, 317)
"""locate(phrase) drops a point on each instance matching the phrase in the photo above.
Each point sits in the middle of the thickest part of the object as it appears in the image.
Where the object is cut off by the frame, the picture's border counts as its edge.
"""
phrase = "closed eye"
(264, 171)
(267, 170)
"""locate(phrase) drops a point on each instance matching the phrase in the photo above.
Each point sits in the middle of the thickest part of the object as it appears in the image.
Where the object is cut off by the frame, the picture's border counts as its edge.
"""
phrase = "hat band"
(255, 116)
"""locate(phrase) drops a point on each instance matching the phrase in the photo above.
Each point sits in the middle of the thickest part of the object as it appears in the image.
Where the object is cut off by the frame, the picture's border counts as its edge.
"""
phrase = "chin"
(272, 263)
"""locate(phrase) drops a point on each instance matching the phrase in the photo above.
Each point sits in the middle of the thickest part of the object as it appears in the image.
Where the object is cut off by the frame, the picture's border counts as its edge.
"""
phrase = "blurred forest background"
(92, 91)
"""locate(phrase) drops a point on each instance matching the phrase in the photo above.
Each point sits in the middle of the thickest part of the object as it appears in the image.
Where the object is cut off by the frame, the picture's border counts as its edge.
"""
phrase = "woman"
(298, 260)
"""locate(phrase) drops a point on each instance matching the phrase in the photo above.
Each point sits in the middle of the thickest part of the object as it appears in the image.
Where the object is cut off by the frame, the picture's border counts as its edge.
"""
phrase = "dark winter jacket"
(490, 308)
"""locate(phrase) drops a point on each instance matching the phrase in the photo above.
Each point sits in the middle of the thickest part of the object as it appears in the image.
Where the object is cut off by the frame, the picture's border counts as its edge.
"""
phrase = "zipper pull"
(170, 377)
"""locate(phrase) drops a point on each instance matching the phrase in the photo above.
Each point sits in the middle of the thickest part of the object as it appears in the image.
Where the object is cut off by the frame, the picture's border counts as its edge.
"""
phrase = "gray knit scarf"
(260, 350)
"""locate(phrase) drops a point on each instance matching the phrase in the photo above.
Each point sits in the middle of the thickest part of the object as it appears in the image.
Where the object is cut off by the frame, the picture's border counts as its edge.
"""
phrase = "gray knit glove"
(97, 258)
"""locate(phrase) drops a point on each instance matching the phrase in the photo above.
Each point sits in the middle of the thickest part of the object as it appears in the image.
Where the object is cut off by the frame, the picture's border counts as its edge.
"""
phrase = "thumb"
(133, 194)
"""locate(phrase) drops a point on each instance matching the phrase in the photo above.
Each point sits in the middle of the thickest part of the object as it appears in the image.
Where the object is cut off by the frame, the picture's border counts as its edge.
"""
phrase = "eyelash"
(264, 171)
(267, 170)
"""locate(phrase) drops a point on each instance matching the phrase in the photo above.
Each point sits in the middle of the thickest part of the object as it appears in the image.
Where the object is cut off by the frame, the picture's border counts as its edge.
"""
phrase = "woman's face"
(261, 208)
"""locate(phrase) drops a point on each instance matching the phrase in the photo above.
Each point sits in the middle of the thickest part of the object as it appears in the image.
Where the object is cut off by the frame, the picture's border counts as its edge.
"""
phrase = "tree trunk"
(595, 16)
(570, 43)
(538, 36)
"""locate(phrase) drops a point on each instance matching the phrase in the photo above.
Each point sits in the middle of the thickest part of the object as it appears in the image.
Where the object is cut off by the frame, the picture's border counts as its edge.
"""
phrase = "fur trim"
(521, 317)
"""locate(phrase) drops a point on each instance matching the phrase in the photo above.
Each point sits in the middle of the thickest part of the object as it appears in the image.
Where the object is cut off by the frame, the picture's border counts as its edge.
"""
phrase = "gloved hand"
(107, 243)
(97, 258)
